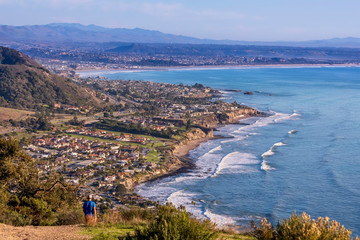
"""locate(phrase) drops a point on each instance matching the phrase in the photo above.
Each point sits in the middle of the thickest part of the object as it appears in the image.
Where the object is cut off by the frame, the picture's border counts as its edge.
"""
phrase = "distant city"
(65, 48)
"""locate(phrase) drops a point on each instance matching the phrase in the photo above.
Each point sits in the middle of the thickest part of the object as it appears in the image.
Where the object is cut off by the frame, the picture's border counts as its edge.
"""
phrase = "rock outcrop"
(235, 115)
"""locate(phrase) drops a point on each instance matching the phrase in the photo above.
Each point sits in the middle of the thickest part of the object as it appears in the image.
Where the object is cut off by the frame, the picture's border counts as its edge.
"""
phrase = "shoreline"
(183, 150)
(185, 162)
(211, 67)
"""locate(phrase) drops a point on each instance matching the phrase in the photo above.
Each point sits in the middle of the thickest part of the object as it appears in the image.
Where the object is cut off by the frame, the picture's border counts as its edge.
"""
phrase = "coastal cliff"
(202, 130)
(213, 120)
(235, 115)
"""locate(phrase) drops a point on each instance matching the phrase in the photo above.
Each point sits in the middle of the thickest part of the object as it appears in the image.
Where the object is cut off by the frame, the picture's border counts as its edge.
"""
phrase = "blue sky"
(261, 20)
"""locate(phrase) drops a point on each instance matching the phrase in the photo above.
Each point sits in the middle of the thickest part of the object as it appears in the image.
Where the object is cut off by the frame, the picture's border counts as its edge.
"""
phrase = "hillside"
(26, 84)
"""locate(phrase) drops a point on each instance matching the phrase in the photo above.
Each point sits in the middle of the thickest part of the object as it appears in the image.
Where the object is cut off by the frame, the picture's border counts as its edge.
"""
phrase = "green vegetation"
(165, 222)
(27, 198)
(76, 122)
(41, 122)
(302, 227)
(175, 224)
(153, 156)
(117, 126)
(112, 232)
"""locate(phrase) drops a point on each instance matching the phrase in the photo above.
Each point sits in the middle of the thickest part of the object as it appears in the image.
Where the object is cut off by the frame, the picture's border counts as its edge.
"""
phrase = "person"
(89, 209)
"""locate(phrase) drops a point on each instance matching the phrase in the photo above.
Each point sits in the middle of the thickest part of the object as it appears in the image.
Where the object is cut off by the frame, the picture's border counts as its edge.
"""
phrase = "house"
(111, 178)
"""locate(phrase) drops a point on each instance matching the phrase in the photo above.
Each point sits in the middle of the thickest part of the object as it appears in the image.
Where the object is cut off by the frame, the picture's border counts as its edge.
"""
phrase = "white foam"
(279, 144)
(234, 139)
(186, 199)
(218, 148)
(180, 197)
(271, 152)
(234, 163)
(219, 220)
(268, 153)
(275, 117)
(265, 166)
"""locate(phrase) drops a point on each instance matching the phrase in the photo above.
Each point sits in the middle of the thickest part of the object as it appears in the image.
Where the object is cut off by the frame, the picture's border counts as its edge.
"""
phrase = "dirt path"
(42, 232)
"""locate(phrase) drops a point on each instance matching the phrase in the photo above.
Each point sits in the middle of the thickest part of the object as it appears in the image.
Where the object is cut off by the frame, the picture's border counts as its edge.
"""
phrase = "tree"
(76, 122)
(29, 198)
(120, 189)
(17, 170)
(188, 124)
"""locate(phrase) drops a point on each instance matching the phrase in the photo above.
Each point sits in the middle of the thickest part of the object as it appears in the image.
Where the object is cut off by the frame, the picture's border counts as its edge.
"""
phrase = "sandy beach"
(85, 70)
(184, 150)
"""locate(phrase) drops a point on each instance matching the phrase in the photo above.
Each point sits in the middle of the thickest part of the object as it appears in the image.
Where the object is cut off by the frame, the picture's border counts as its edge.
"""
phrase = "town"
(134, 138)
(72, 57)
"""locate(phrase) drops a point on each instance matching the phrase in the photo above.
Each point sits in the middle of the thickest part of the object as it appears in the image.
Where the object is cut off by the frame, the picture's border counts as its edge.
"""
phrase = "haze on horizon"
(259, 20)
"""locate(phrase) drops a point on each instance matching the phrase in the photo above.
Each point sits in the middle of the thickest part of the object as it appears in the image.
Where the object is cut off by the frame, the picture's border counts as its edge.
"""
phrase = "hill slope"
(26, 84)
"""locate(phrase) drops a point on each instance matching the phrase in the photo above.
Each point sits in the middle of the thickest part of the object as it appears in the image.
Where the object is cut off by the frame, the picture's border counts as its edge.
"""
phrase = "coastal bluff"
(214, 120)
(202, 130)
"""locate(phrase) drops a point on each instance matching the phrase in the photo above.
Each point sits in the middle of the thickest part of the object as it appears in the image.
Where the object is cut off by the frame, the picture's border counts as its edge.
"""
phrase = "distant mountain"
(26, 84)
(74, 32)
(349, 42)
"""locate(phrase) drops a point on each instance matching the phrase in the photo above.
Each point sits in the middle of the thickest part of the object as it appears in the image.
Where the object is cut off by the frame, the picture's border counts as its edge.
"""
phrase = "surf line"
(264, 165)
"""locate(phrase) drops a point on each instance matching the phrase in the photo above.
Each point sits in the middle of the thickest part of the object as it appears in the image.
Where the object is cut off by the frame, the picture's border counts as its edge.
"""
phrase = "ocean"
(304, 157)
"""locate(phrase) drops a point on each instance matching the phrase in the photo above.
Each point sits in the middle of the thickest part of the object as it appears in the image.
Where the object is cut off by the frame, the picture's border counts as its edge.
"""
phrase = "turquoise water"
(305, 157)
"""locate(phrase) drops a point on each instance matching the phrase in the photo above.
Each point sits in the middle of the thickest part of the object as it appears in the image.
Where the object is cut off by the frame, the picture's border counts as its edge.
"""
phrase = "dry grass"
(10, 113)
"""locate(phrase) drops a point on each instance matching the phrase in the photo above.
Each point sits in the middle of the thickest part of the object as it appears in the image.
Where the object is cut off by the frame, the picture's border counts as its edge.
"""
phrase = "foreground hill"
(26, 84)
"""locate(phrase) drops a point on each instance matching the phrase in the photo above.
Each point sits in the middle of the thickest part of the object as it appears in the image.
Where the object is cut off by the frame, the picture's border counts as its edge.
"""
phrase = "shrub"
(69, 216)
(302, 227)
(174, 223)
(133, 216)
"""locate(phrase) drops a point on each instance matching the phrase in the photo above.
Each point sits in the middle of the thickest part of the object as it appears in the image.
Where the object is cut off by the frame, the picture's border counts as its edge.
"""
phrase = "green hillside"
(26, 84)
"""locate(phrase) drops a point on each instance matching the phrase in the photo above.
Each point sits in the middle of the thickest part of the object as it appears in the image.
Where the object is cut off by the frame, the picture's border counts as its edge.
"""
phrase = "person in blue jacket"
(89, 209)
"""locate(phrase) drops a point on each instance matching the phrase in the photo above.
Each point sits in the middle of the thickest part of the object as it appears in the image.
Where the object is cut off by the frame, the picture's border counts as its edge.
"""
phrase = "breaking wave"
(236, 162)
(219, 220)
(268, 153)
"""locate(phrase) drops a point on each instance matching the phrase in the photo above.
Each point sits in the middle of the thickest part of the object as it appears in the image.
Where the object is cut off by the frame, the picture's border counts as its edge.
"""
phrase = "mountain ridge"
(75, 32)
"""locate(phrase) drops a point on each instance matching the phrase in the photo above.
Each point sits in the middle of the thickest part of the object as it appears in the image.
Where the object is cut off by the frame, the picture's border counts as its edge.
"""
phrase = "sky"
(248, 20)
